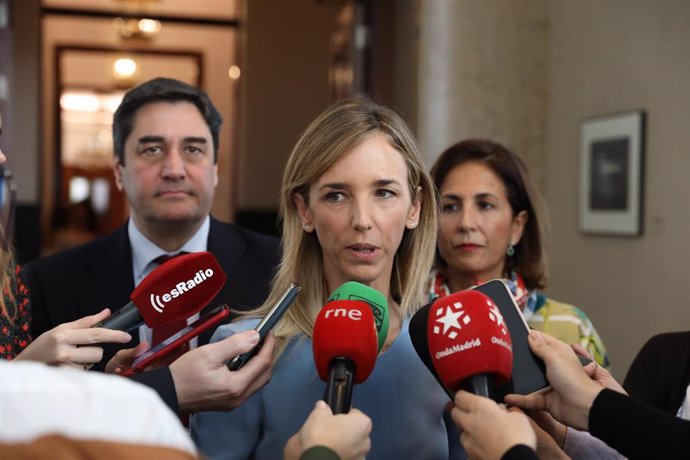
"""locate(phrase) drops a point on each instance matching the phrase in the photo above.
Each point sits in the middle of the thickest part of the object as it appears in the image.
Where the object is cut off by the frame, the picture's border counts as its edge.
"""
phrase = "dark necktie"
(159, 334)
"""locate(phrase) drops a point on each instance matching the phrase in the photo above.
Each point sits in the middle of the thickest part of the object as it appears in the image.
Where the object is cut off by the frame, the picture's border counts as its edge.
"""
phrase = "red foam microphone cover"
(345, 328)
(179, 288)
(467, 336)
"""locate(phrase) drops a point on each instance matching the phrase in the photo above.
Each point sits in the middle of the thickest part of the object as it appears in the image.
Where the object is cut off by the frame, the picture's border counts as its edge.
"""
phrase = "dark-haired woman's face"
(476, 223)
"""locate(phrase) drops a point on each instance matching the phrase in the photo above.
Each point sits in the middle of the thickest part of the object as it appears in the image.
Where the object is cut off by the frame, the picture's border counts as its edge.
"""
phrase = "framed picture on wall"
(611, 173)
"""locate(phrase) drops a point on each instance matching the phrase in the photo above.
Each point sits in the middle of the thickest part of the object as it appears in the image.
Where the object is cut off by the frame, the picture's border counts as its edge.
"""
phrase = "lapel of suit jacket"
(228, 248)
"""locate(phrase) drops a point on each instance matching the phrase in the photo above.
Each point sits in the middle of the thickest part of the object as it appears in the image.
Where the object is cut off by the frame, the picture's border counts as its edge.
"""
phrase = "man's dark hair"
(166, 90)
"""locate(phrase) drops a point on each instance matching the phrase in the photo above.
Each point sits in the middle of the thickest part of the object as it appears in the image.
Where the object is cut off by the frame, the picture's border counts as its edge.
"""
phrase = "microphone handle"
(125, 319)
(480, 384)
(339, 386)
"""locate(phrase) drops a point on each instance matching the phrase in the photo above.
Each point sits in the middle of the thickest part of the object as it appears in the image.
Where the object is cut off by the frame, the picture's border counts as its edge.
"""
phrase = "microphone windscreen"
(179, 288)
(352, 290)
(345, 328)
(467, 336)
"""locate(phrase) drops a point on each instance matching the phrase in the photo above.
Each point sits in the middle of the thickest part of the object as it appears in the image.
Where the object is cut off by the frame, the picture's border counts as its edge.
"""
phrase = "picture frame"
(611, 174)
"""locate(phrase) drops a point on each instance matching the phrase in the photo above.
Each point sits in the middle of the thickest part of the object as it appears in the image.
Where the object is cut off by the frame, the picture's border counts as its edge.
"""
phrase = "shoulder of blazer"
(232, 241)
(103, 253)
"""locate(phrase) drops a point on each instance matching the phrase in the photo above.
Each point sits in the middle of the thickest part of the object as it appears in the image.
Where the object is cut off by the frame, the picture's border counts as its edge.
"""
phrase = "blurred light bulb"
(234, 72)
(124, 68)
(149, 26)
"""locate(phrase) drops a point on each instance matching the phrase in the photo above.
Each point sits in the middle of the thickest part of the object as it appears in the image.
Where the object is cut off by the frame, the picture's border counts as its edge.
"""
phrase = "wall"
(26, 84)
(606, 57)
(483, 73)
(285, 86)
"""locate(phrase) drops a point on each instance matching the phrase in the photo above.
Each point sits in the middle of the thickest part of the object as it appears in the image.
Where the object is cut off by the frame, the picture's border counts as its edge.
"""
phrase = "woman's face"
(476, 223)
(359, 209)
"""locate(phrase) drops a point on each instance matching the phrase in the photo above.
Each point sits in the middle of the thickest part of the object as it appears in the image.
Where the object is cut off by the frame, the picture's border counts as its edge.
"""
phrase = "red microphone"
(345, 346)
(469, 343)
(175, 290)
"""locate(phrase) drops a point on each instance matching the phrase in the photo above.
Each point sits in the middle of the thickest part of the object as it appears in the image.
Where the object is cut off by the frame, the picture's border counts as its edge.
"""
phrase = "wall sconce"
(143, 28)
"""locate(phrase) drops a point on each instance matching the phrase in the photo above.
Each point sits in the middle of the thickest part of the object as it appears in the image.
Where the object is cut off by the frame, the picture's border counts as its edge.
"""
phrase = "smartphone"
(176, 340)
(529, 373)
(267, 323)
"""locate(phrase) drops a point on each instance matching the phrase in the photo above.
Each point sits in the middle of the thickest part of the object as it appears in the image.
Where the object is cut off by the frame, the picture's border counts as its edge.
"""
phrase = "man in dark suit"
(165, 136)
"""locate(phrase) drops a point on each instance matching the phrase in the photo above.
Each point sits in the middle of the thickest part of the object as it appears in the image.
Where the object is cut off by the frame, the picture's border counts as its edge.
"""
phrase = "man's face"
(168, 174)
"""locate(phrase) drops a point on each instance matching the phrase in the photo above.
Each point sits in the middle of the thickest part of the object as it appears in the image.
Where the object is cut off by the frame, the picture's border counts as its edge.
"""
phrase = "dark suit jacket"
(660, 373)
(84, 280)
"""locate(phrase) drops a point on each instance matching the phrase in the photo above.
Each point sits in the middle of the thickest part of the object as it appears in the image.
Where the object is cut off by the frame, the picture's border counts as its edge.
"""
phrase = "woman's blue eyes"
(340, 196)
(335, 196)
(383, 193)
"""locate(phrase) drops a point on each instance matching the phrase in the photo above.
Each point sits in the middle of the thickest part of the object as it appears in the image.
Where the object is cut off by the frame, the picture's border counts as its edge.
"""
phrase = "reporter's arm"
(581, 445)
(632, 427)
(638, 430)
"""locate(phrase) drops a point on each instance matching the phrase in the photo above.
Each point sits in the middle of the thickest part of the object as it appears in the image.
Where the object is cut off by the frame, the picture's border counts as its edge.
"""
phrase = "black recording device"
(267, 323)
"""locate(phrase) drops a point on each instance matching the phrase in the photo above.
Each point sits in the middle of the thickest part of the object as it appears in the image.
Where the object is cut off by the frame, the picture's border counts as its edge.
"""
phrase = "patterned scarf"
(526, 299)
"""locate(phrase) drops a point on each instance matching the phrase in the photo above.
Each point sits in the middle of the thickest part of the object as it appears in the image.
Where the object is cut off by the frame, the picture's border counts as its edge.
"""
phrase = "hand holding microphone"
(572, 391)
(76, 343)
(346, 434)
(488, 430)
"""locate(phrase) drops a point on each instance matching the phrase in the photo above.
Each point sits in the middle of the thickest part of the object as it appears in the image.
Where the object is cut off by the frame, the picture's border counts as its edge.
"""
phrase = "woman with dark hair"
(491, 226)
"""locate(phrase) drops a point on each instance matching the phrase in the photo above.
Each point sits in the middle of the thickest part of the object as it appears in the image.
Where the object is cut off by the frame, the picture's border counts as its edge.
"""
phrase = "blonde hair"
(335, 132)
